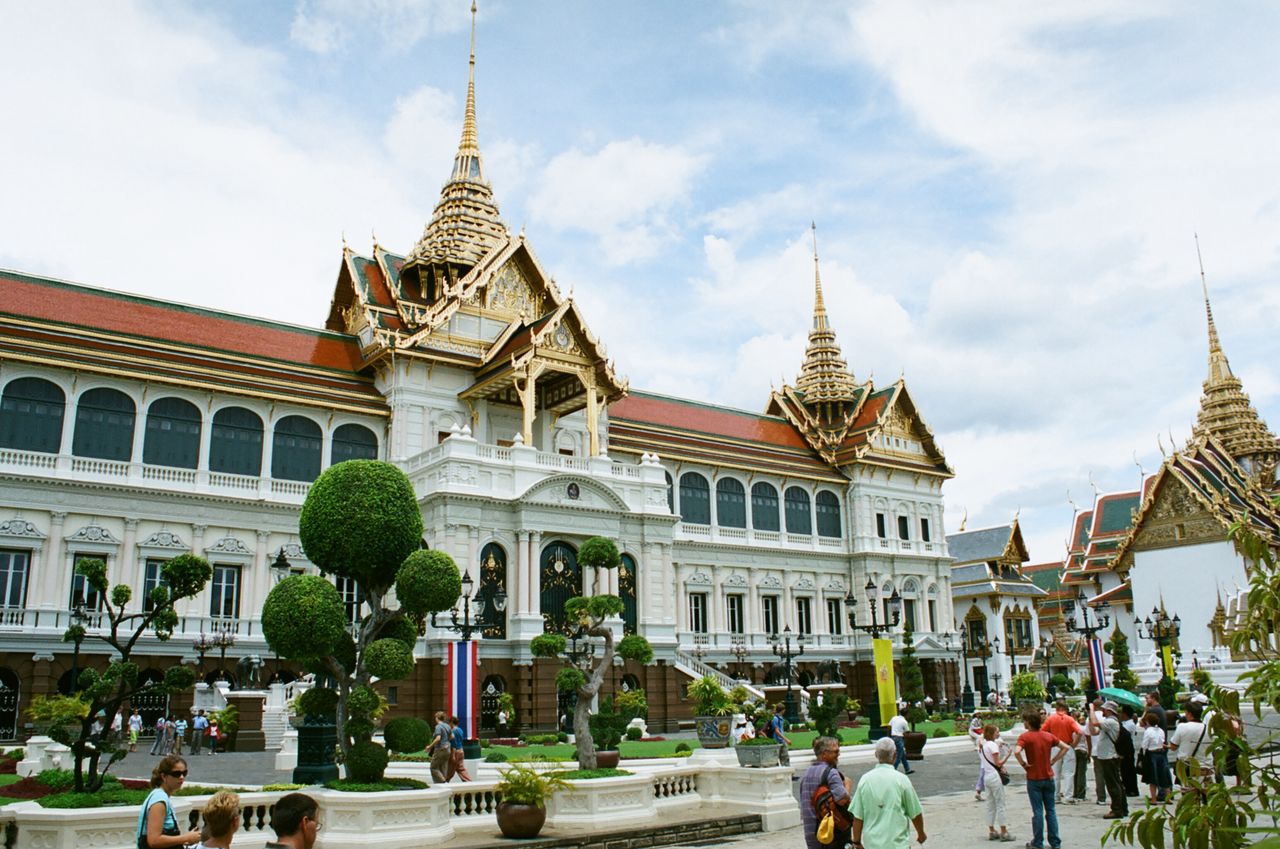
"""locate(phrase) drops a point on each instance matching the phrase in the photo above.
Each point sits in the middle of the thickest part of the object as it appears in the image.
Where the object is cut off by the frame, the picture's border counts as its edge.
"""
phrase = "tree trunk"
(582, 712)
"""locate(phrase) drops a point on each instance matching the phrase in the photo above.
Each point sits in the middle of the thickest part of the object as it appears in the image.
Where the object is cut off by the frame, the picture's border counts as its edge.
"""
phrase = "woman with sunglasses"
(157, 825)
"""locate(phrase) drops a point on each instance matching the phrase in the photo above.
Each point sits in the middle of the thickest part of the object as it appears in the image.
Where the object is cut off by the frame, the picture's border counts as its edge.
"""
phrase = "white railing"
(168, 474)
(27, 459)
(35, 619)
(694, 668)
(102, 468)
(223, 480)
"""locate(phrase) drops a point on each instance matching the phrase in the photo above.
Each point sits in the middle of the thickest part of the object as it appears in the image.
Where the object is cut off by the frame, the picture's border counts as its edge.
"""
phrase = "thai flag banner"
(1096, 664)
(463, 688)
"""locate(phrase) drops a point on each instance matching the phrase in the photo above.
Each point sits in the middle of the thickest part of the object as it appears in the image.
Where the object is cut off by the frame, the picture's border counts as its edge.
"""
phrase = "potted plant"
(711, 712)
(1025, 690)
(607, 728)
(913, 694)
(758, 751)
(524, 792)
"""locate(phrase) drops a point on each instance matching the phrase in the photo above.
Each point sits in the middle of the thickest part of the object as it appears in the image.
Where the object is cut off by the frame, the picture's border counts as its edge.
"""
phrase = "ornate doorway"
(493, 687)
(151, 704)
(561, 580)
(10, 693)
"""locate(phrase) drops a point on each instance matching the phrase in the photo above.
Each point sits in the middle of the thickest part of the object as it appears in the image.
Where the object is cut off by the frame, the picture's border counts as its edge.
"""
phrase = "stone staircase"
(275, 722)
(695, 668)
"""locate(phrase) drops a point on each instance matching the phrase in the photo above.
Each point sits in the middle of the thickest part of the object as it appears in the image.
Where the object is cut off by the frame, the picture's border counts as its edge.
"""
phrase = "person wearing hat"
(742, 731)
(1106, 731)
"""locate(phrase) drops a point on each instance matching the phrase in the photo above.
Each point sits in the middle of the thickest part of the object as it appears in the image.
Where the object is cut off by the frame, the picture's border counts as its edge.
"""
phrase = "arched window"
(910, 600)
(173, 434)
(797, 507)
(353, 442)
(671, 492)
(560, 581)
(695, 499)
(827, 506)
(764, 507)
(627, 577)
(295, 449)
(731, 504)
(31, 415)
(236, 444)
(493, 580)
(104, 425)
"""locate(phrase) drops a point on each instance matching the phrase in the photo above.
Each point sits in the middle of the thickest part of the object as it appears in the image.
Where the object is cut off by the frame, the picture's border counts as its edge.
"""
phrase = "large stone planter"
(713, 731)
(757, 756)
(914, 742)
(520, 821)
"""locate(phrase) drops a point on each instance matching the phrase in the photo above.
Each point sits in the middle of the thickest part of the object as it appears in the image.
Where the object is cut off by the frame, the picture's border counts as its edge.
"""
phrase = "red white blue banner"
(1097, 665)
(464, 689)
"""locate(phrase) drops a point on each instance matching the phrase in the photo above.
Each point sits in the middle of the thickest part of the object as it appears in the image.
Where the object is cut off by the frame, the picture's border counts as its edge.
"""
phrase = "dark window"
(904, 527)
(833, 617)
(769, 604)
(236, 446)
(152, 577)
(14, 566)
(804, 616)
(797, 504)
(827, 507)
(353, 442)
(31, 415)
(695, 499)
(924, 530)
(671, 492)
(349, 592)
(173, 434)
(909, 612)
(627, 577)
(224, 592)
(104, 425)
(933, 615)
(731, 504)
(295, 449)
(881, 531)
(493, 580)
(698, 613)
(733, 606)
(764, 507)
(81, 592)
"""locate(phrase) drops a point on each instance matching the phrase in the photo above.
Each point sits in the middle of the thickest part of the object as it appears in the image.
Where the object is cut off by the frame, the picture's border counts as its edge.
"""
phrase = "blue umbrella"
(1123, 697)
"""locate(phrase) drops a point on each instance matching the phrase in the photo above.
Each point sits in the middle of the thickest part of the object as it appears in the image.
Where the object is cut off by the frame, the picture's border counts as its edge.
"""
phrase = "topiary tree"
(104, 693)
(360, 521)
(1121, 675)
(912, 680)
(1062, 684)
(407, 734)
(826, 714)
(585, 675)
(1026, 687)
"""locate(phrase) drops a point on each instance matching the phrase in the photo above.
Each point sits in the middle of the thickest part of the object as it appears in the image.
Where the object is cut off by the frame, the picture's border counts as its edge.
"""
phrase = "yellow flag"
(1166, 654)
(882, 651)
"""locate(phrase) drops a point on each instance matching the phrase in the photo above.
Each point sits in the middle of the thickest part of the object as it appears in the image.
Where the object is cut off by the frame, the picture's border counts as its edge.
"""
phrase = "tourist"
(221, 817)
(503, 719)
(975, 734)
(776, 732)
(1127, 747)
(1155, 759)
(993, 758)
(885, 804)
(1188, 739)
(898, 728)
(742, 731)
(1039, 752)
(157, 825)
(1106, 730)
(1082, 745)
(157, 745)
(440, 747)
(824, 770)
(135, 729)
(1063, 726)
(179, 734)
(1152, 700)
(117, 728)
(215, 735)
(199, 729)
(294, 821)
(457, 765)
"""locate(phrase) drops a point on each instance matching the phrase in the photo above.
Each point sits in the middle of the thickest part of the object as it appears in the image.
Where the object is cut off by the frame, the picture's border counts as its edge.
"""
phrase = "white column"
(55, 576)
(681, 611)
(716, 602)
(473, 554)
(535, 576)
(520, 592)
(197, 539)
(753, 612)
(130, 573)
(669, 581)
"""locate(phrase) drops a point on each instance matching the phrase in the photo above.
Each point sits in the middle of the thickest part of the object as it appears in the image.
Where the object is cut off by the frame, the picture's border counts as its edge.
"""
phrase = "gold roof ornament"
(1226, 412)
(466, 224)
(825, 377)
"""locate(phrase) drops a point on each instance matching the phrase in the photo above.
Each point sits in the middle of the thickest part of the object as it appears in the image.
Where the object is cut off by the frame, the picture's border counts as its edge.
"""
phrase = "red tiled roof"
(718, 421)
(100, 309)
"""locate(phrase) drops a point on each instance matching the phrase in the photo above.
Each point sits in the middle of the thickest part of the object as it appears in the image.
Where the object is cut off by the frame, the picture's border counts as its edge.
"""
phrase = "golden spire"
(1225, 410)
(466, 224)
(824, 377)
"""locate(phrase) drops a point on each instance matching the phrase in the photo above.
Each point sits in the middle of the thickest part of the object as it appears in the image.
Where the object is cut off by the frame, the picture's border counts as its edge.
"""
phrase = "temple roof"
(824, 376)
(982, 545)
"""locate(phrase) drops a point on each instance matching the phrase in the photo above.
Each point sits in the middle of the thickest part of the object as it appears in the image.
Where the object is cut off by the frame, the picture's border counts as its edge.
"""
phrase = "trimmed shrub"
(302, 617)
(941, 732)
(318, 701)
(407, 734)
(366, 762)
(400, 629)
(682, 747)
(634, 733)
(598, 553)
(390, 659)
(495, 758)
(428, 582)
(363, 699)
(348, 785)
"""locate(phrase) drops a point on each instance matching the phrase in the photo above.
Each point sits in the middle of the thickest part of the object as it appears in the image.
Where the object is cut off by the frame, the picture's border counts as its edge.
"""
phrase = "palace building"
(134, 429)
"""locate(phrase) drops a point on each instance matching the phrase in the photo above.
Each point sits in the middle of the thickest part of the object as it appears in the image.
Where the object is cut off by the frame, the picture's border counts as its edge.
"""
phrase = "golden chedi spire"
(466, 224)
(1226, 413)
(824, 378)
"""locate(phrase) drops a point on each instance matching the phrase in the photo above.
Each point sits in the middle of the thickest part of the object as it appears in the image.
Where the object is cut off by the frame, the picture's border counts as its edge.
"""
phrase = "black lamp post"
(466, 626)
(875, 629)
(1163, 631)
(76, 634)
(204, 644)
(1088, 631)
(975, 645)
(962, 661)
(739, 651)
(782, 648)
(224, 640)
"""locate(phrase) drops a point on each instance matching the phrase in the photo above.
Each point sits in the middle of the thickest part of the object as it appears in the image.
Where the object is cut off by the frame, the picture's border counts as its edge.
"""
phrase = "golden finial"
(467, 165)
(963, 519)
(344, 241)
(1160, 442)
(818, 305)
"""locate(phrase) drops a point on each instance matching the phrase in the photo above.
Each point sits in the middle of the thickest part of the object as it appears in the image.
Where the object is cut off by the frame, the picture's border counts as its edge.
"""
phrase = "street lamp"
(204, 644)
(782, 648)
(280, 566)
(699, 649)
(471, 607)
(739, 651)
(76, 634)
(224, 640)
(1089, 632)
(960, 651)
(875, 629)
(1163, 631)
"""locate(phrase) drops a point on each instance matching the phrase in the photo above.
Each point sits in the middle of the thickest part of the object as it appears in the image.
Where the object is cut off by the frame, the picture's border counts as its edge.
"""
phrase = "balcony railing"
(37, 620)
(750, 536)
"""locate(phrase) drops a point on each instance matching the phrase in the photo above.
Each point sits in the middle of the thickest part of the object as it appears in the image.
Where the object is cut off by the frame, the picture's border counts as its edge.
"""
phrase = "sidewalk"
(957, 820)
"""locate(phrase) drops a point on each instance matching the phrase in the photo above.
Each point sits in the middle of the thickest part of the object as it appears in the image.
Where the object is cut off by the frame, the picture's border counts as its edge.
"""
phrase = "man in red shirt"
(1063, 726)
(1036, 752)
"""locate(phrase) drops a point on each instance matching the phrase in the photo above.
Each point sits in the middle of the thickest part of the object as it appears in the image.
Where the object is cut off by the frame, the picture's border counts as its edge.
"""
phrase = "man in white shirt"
(898, 727)
(1190, 738)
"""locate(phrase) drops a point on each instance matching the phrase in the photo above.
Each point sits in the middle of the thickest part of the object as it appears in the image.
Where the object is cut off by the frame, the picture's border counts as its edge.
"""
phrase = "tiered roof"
(988, 562)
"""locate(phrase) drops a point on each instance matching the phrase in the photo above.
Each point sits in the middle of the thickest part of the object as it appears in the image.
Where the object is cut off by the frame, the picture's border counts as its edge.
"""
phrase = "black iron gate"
(493, 687)
(151, 704)
(10, 692)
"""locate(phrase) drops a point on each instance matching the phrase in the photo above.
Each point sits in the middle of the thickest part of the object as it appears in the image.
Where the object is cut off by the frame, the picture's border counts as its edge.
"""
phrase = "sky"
(1006, 193)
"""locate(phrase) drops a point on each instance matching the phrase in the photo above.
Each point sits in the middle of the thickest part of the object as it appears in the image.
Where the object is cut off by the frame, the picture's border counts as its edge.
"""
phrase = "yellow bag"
(827, 829)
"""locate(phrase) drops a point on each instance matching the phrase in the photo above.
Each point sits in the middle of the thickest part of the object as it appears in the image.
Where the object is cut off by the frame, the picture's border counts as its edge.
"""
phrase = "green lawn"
(6, 780)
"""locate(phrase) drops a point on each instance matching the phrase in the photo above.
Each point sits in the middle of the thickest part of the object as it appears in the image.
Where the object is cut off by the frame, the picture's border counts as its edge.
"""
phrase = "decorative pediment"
(293, 551)
(699, 577)
(1176, 516)
(835, 585)
(771, 582)
(20, 528)
(736, 580)
(164, 539)
(805, 583)
(510, 292)
(572, 491)
(229, 545)
(95, 534)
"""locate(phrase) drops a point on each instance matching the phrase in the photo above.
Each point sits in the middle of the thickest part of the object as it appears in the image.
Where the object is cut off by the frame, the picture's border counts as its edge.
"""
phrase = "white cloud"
(326, 26)
(625, 194)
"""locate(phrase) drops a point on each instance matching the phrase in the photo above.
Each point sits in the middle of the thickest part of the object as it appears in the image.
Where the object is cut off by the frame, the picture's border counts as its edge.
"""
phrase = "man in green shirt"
(884, 805)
